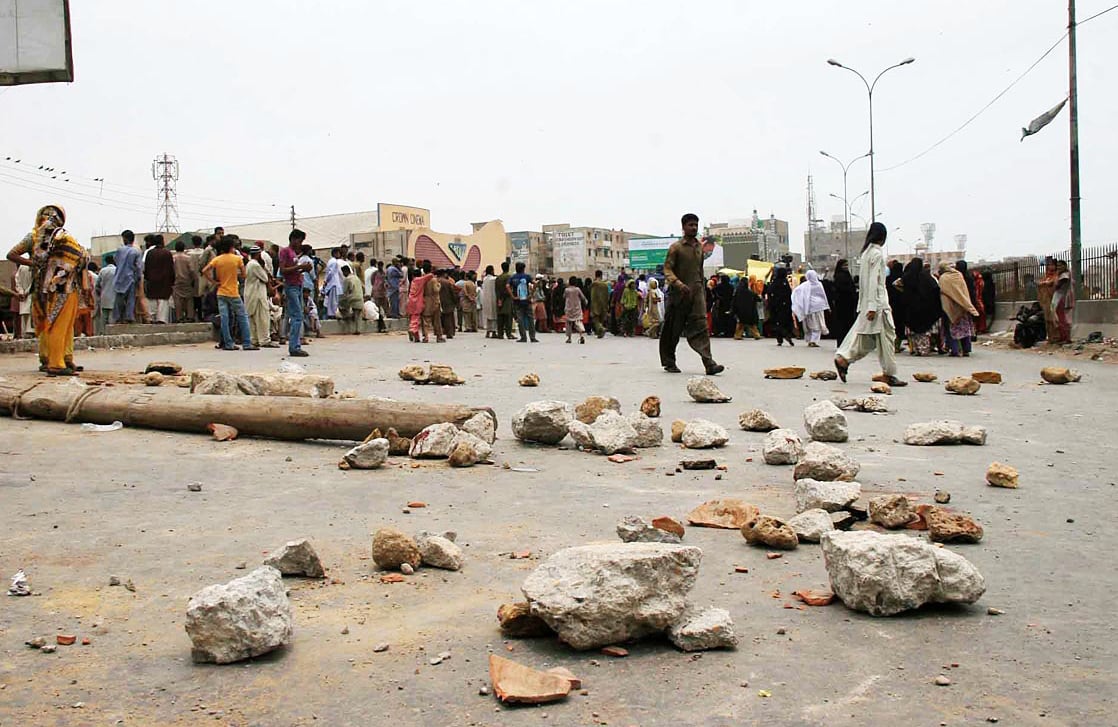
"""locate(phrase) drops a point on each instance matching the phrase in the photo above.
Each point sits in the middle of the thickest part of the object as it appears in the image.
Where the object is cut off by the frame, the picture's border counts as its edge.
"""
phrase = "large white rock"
(782, 446)
(543, 421)
(944, 431)
(650, 433)
(439, 552)
(810, 525)
(705, 390)
(609, 434)
(597, 595)
(702, 629)
(887, 574)
(481, 448)
(704, 434)
(482, 425)
(825, 422)
(367, 455)
(296, 558)
(830, 496)
(824, 462)
(635, 529)
(434, 442)
(756, 420)
(240, 619)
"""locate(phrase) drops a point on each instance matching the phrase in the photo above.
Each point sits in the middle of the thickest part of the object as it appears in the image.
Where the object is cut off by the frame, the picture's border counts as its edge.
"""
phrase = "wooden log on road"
(177, 410)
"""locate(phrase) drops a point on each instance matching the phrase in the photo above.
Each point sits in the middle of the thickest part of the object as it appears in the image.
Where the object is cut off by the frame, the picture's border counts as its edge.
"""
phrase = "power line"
(994, 100)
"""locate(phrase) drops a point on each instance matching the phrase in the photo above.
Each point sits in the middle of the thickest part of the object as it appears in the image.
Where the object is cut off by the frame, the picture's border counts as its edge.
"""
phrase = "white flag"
(1043, 120)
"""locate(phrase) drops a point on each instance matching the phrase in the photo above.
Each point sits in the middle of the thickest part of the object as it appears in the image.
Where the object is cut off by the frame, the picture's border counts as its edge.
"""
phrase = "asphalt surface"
(79, 507)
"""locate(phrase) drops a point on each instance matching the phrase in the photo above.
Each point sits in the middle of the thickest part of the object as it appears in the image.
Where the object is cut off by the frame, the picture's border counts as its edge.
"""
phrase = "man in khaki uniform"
(686, 310)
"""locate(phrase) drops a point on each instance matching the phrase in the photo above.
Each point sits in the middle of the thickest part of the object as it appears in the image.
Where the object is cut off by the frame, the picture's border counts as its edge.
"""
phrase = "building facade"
(565, 250)
(823, 247)
(755, 238)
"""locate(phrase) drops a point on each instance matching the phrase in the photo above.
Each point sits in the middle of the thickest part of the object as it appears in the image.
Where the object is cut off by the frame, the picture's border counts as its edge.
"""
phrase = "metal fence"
(1016, 279)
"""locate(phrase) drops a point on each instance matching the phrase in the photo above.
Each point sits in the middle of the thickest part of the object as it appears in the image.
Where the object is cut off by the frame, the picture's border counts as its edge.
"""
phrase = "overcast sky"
(614, 114)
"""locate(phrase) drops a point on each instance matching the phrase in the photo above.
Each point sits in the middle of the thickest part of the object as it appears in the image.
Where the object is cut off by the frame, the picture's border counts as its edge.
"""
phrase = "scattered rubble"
(704, 434)
(868, 404)
(703, 629)
(391, 548)
(770, 532)
(1059, 375)
(824, 375)
(222, 432)
(924, 377)
(946, 431)
(20, 586)
(516, 620)
(810, 525)
(949, 527)
(650, 407)
(315, 386)
(439, 552)
(668, 524)
(296, 558)
(243, 618)
(782, 446)
(830, 496)
(886, 574)
(677, 430)
(531, 379)
(785, 372)
(825, 422)
(880, 387)
(987, 377)
(467, 450)
(813, 597)
(703, 390)
(942, 497)
(963, 385)
(756, 420)
(413, 372)
(545, 422)
(194, 487)
(367, 455)
(891, 511)
(166, 368)
(635, 529)
(517, 684)
(841, 519)
(1001, 475)
(153, 378)
(434, 442)
(728, 513)
(824, 462)
(598, 595)
(589, 410)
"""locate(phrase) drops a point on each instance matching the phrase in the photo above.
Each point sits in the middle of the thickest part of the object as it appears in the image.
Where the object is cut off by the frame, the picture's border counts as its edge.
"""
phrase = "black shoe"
(673, 369)
(715, 369)
(298, 354)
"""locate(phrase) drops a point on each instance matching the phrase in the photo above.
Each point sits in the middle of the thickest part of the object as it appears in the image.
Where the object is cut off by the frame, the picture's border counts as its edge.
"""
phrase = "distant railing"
(1016, 279)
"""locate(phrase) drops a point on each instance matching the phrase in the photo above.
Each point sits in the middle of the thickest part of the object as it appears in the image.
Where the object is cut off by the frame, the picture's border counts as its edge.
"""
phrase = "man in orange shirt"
(227, 270)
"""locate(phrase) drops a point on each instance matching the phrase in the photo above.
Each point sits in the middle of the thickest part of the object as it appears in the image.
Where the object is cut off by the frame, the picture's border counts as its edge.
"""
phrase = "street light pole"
(869, 92)
(845, 202)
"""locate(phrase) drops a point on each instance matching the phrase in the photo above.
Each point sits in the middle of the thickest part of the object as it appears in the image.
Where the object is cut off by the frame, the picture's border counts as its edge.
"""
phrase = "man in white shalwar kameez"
(332, 288)
(873, 327)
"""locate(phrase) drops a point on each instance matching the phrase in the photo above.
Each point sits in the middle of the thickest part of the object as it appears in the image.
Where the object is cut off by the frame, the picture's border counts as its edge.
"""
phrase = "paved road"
(78, 508)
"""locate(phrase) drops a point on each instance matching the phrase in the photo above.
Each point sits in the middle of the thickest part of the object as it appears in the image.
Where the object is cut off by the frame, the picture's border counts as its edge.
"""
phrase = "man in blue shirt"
(392, 282)
(520, 287)
(128, 272)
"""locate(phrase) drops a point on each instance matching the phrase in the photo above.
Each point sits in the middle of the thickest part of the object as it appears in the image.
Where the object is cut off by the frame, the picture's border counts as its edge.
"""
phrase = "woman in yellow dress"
(58, 263)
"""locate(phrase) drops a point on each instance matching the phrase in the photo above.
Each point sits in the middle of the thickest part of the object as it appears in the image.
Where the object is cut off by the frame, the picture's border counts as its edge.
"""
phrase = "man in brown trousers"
(686, 310)
(431, 317)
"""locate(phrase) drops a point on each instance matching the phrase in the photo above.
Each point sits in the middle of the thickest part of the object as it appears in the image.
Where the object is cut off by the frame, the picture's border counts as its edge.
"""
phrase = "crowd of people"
(266, 297)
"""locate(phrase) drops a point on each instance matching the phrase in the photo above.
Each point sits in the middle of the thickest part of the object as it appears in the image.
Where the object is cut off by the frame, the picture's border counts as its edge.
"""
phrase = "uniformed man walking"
(686, 311)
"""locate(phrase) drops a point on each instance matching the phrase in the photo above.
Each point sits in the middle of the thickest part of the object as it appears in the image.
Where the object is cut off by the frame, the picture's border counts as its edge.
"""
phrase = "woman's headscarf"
(809, 297)
(961, 266)
(921, 297)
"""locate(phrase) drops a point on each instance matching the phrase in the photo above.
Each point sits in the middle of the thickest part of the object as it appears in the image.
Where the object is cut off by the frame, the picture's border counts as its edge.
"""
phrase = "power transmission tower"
(812, 222)
(293, 217)
(165, 172)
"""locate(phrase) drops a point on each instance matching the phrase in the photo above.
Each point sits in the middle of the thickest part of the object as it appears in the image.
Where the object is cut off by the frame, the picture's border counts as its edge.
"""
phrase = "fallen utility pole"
(177, 410)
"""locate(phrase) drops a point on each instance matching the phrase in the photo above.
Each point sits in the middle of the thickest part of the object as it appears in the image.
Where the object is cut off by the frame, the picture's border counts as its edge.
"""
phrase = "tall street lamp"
(845, 202)
(869, 91)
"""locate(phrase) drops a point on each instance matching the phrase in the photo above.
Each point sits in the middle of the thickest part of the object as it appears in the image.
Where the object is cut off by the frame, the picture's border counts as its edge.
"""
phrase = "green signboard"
(647, 259)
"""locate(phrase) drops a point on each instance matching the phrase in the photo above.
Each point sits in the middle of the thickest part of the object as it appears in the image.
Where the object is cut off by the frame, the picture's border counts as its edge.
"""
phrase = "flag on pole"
(1043, 120)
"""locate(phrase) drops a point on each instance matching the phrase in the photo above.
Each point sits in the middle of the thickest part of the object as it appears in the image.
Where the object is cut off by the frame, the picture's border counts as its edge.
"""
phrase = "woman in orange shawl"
(58, 263)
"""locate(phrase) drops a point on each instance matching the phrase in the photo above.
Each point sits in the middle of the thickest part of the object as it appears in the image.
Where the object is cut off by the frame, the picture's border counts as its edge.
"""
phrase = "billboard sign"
(648, 253)
(35, 42)
(568, 248)
(401, 217)
(518, 248)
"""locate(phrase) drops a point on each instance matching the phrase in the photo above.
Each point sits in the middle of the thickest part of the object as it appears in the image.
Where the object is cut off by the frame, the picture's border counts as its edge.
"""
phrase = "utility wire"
(996, 98)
